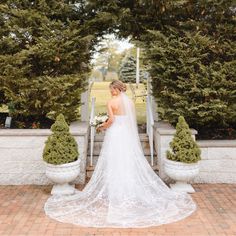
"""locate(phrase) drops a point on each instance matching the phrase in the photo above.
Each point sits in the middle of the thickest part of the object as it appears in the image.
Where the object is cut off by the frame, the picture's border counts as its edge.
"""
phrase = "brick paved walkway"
(21, 213)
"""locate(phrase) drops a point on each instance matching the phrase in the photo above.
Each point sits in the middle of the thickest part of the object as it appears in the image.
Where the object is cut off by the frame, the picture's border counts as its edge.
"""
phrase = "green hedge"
(44, 56)
(194, 76)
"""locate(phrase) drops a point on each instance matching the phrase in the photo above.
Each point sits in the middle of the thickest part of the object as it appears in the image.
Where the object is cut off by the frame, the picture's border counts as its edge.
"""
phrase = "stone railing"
(21, 154)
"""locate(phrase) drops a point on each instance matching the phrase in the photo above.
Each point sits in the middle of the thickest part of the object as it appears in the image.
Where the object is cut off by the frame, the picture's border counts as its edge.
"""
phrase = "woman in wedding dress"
(123, 191)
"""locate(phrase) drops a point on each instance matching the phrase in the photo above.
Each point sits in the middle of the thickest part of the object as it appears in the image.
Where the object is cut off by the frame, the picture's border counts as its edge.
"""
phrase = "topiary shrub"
(184, 147)
(61, 147)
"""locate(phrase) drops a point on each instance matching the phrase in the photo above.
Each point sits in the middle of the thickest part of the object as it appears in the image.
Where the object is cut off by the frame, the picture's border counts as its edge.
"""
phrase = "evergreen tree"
(190, 49)
(192, 77)
(127, 67)
(127, 70)
(44, 55)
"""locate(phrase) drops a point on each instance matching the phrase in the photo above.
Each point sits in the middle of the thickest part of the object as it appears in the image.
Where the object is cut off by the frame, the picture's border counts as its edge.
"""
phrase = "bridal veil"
(123, 191)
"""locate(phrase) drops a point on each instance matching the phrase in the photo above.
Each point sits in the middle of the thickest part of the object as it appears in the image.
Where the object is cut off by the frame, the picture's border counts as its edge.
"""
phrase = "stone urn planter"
(182, 173)
(61, 156)
(181, 163)
(62, 175)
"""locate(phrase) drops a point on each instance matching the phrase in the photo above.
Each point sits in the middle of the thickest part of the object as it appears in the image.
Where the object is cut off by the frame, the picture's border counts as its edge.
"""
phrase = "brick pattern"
(21, 213)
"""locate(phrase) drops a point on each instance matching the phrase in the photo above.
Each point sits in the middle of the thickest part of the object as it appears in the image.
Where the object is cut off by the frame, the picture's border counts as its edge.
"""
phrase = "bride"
(123, 191)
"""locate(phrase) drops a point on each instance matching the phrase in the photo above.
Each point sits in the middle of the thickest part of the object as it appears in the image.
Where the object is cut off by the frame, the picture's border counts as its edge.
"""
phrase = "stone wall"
(21, 154)
(218, 164)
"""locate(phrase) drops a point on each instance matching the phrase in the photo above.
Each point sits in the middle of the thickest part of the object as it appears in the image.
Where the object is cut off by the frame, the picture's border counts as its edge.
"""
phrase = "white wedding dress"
(123, 191)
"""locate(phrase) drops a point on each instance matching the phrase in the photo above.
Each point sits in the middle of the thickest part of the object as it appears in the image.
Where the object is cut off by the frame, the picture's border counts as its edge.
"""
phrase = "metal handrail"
(150, 126)
(150, 120)
(90, 86)
(92, 129)
(134, 95)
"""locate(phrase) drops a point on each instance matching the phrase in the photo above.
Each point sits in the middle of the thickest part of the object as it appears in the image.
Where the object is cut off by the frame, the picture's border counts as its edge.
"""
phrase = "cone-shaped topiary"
(183, 147)
(61, 147)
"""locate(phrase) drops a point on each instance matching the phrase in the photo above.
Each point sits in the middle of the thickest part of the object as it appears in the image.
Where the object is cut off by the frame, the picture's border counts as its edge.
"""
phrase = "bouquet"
(99, 119)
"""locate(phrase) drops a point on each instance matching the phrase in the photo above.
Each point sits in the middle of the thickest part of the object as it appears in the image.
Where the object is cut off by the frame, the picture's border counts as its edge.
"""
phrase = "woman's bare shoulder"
(112, 100)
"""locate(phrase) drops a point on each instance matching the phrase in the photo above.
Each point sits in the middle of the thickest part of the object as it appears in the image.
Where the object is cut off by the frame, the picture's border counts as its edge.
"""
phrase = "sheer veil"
(123, 191)
(130, 112)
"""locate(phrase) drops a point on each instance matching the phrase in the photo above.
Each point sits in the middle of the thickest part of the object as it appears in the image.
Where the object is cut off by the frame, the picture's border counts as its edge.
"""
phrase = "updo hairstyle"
(118, 84)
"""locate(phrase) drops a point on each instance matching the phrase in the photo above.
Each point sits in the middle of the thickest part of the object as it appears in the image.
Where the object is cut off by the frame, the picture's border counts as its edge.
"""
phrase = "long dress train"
(123, 191)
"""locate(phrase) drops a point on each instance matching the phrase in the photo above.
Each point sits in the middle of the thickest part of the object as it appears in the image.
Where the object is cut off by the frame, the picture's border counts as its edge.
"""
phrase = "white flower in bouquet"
(99, 119)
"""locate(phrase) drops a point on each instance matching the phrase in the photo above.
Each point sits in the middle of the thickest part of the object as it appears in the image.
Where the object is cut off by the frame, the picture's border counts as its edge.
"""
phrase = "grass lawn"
(3, 108)
(101, 91)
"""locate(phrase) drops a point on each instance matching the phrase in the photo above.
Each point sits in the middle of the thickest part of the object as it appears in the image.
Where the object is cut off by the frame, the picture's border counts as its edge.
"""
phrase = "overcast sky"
(122, 45)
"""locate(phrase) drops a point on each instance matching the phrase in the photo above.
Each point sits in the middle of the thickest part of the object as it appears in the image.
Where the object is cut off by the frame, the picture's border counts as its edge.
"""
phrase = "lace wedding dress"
(123, 191)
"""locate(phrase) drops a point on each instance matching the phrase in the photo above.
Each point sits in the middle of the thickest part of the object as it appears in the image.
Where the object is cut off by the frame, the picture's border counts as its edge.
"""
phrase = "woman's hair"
(119, 85)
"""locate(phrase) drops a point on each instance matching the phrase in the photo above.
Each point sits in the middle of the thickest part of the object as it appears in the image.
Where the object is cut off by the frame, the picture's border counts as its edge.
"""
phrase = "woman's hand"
(100, 128)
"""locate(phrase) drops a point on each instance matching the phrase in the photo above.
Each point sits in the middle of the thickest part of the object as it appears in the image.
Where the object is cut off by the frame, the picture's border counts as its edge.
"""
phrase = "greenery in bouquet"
(99, 119)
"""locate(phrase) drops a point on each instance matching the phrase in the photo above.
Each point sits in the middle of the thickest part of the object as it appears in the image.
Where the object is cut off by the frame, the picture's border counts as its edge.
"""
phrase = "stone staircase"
(97, 147)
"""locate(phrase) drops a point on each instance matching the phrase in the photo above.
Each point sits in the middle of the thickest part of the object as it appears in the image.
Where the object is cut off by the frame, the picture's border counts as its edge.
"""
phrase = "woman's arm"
(110, 120)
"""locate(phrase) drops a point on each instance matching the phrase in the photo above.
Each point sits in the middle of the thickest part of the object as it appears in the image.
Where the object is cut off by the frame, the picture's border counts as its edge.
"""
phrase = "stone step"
(100, 137)
(98, 145)
(95, 159)
(98, 141)
(90, 170)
